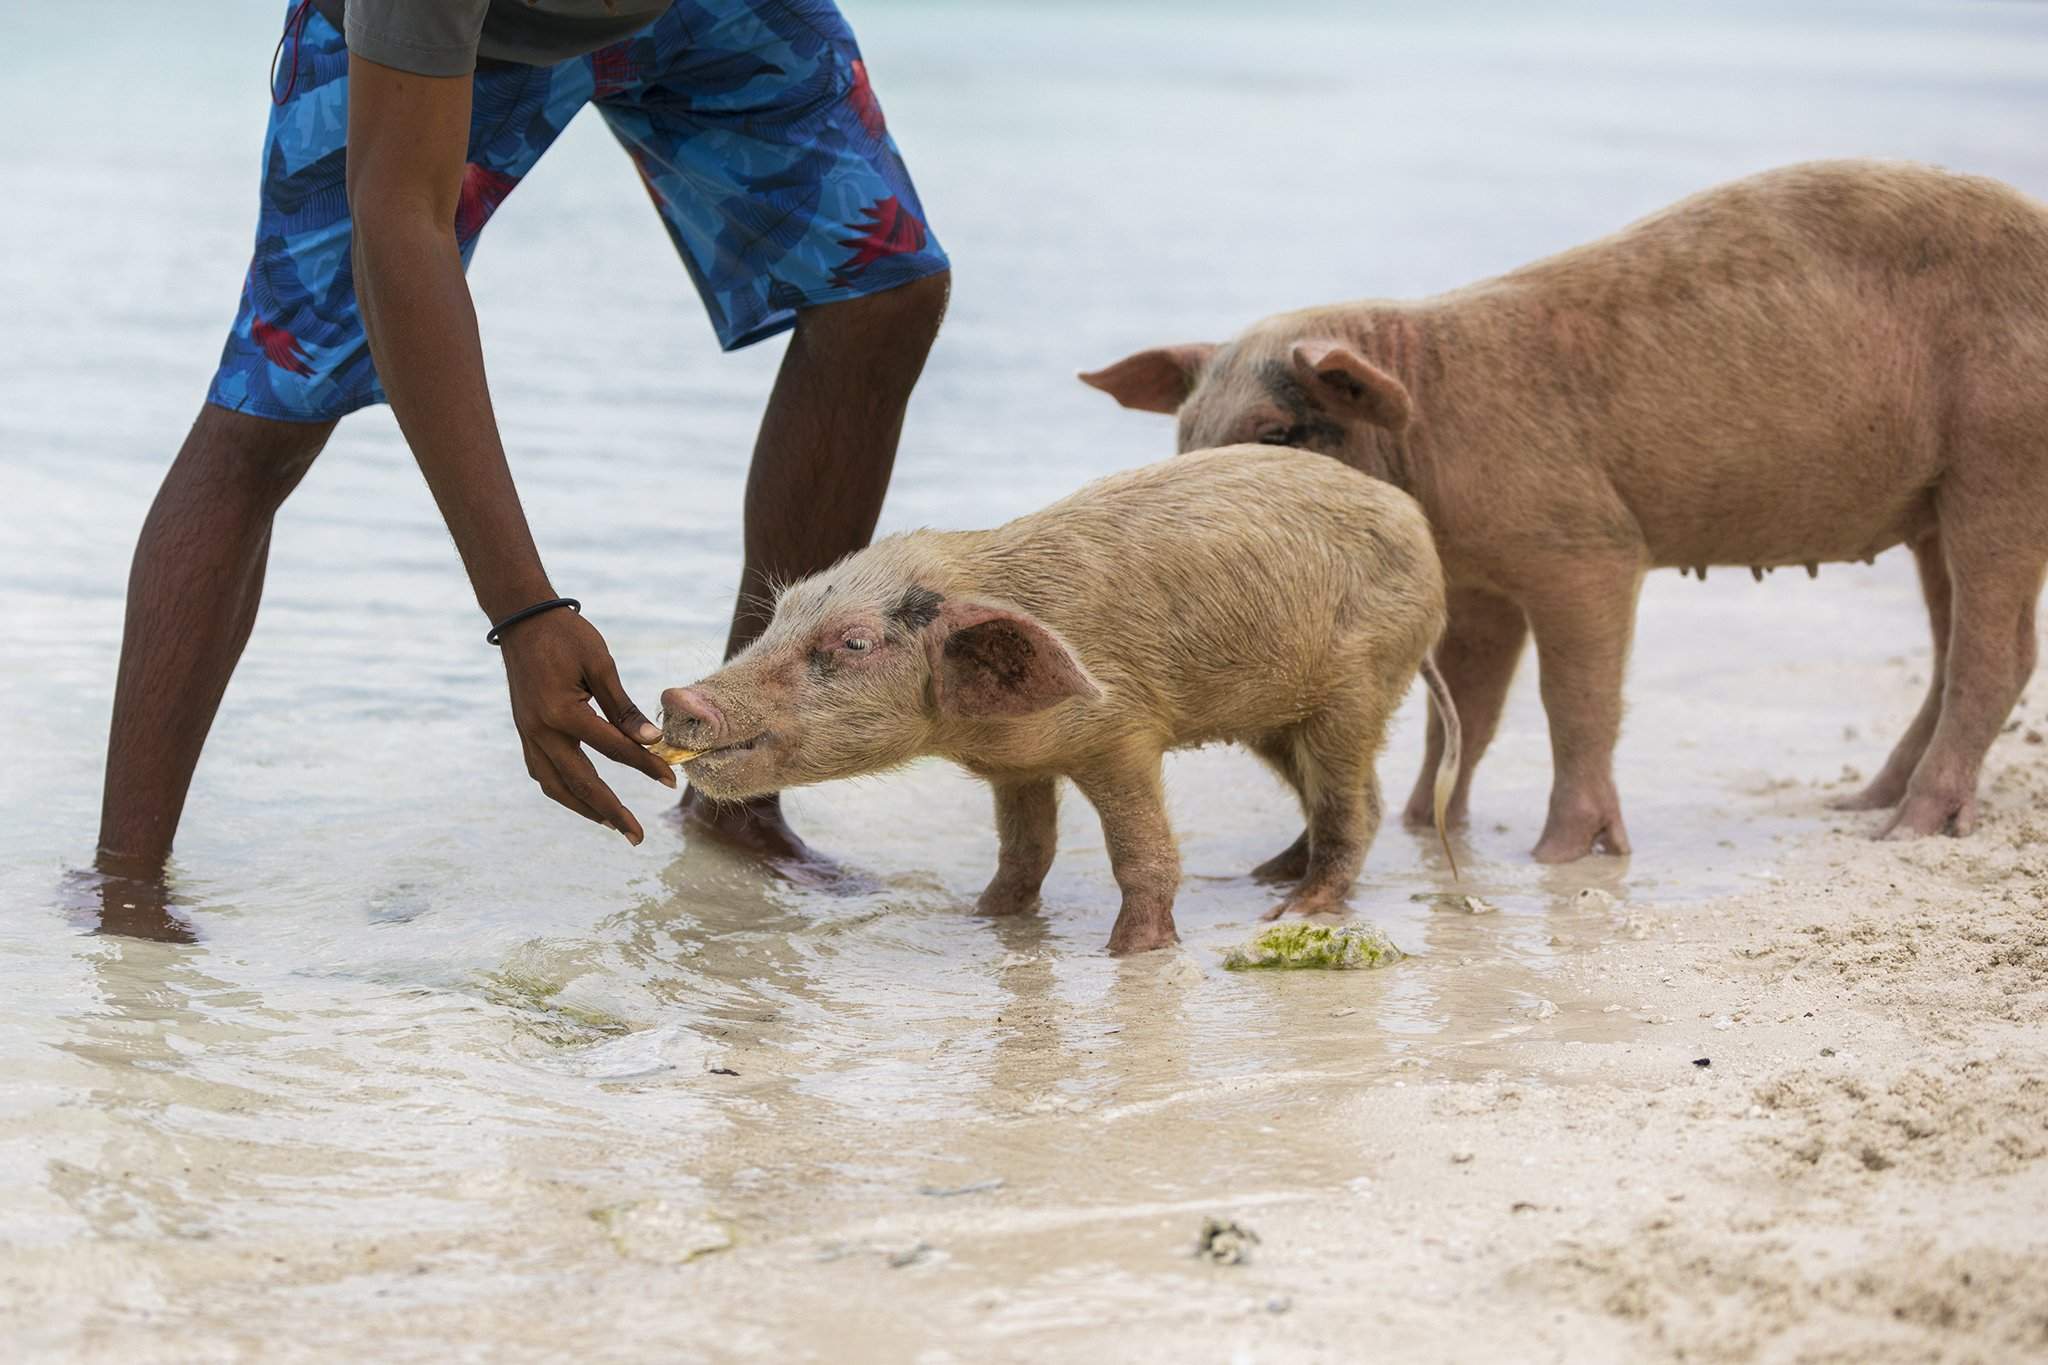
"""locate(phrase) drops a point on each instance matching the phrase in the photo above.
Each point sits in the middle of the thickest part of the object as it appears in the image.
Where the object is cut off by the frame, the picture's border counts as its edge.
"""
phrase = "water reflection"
(141, 1032)
(128, 902)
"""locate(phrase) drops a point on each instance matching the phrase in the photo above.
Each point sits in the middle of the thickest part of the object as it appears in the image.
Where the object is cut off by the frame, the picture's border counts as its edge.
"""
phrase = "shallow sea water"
(448, 1072)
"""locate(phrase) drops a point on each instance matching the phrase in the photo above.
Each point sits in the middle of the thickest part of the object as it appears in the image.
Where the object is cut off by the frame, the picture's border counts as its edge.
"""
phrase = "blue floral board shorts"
(752, 124)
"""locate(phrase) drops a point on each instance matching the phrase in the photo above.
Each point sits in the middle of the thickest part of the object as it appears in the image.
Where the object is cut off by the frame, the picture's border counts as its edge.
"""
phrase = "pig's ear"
(1350, 383)
(1158, 380)
(991, 661)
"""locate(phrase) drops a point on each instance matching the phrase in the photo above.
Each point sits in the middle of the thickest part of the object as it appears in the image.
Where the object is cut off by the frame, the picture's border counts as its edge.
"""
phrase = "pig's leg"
(1131, 800)
(1480, 649)
(1290, 864)
(1027, 831)
(1889, 786)
(1583, 620)
(1995, 568)
(1336, 750)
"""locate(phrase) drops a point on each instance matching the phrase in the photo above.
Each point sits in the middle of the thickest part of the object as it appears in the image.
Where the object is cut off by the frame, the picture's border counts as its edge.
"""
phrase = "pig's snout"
(735, 758)
(687, 713)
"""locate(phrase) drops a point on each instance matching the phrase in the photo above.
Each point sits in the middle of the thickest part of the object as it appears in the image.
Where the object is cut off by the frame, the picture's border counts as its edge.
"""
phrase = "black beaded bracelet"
(496, 632)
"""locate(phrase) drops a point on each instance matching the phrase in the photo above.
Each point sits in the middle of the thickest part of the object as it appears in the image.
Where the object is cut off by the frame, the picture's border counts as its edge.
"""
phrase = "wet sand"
(769, 1123)
(450, 1075)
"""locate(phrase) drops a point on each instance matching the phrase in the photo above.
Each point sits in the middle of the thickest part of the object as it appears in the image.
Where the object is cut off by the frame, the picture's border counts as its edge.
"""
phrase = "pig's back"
(1770, 371)
(1219, 590)
(1241, 494)
(1984, 243)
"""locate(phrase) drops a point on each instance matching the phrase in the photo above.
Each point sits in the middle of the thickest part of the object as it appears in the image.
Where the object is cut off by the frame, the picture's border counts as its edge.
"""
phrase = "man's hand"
(556, 664)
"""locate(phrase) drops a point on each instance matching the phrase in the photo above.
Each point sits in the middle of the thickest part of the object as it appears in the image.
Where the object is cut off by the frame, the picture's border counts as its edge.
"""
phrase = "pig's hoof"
(1568, 841)
(1308, 903)
(1882, 794)
(1927, 814)
(999, 900)
(1288, 865)
(1126, 939)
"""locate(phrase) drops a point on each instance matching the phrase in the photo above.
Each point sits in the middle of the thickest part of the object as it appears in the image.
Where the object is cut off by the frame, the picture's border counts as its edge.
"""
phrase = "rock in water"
(1452, 900)
(1347, 948)
(656, 1230)
(1225, 1242)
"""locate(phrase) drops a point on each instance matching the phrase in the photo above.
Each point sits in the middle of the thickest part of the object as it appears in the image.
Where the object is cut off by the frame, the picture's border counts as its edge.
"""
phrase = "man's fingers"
(550, 783)
(618, 708)
(553, 792)
(552, 678)
(606, 739)
(582, 782)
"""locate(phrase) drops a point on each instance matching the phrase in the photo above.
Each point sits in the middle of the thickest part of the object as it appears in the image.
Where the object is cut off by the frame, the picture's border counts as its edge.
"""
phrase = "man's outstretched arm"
(408, 139)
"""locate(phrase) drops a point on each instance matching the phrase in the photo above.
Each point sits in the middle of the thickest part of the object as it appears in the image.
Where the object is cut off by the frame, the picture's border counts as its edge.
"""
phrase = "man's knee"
(905, 318)
(921, 304)
(258, 456)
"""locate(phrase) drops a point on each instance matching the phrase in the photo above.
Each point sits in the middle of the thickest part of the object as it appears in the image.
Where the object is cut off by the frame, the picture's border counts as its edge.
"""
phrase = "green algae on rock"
(1350, 947)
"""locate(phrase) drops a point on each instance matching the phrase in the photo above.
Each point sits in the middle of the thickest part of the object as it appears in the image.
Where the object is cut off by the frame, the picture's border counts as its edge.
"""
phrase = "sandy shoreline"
(1858, 1175)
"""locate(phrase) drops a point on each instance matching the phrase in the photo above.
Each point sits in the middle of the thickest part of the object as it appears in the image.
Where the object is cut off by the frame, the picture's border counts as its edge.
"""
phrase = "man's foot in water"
(113, 897)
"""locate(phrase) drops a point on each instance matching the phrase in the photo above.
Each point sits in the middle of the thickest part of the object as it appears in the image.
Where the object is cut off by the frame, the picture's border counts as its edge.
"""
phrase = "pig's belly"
(1772, 521)
(1247, 703)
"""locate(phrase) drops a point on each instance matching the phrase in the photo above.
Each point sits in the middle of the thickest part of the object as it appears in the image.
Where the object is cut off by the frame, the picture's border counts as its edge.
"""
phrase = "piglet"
(1272, 597)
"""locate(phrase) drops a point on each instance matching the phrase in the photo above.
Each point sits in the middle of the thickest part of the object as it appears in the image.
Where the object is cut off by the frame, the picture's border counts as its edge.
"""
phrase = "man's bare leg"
(821, 467)
(193, 590)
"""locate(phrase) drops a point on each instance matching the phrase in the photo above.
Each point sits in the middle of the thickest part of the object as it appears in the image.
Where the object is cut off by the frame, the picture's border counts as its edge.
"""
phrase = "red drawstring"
(294, 29)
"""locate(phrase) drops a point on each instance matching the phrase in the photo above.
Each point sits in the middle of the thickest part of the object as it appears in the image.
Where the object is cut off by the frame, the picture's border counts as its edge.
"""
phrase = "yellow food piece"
(669, 753)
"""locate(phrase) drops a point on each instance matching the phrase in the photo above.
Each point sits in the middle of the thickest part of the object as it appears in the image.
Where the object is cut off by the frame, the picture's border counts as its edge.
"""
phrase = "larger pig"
(1266, 596)
(1811, 364)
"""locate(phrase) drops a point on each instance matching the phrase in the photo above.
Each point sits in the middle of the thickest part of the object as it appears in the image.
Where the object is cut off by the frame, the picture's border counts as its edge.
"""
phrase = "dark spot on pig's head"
(1333, 378)
(916, 609)
(1252, 401)
(1270, 387)
(1301, 422)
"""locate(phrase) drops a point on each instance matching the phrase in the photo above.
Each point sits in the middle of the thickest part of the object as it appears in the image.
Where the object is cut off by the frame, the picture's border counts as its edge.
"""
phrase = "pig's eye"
(1283, 436)
(858, 644)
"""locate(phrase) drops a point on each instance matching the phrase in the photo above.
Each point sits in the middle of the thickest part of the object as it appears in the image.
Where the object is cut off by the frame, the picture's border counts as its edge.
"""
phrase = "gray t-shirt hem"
(420, 59)
(453, 37)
